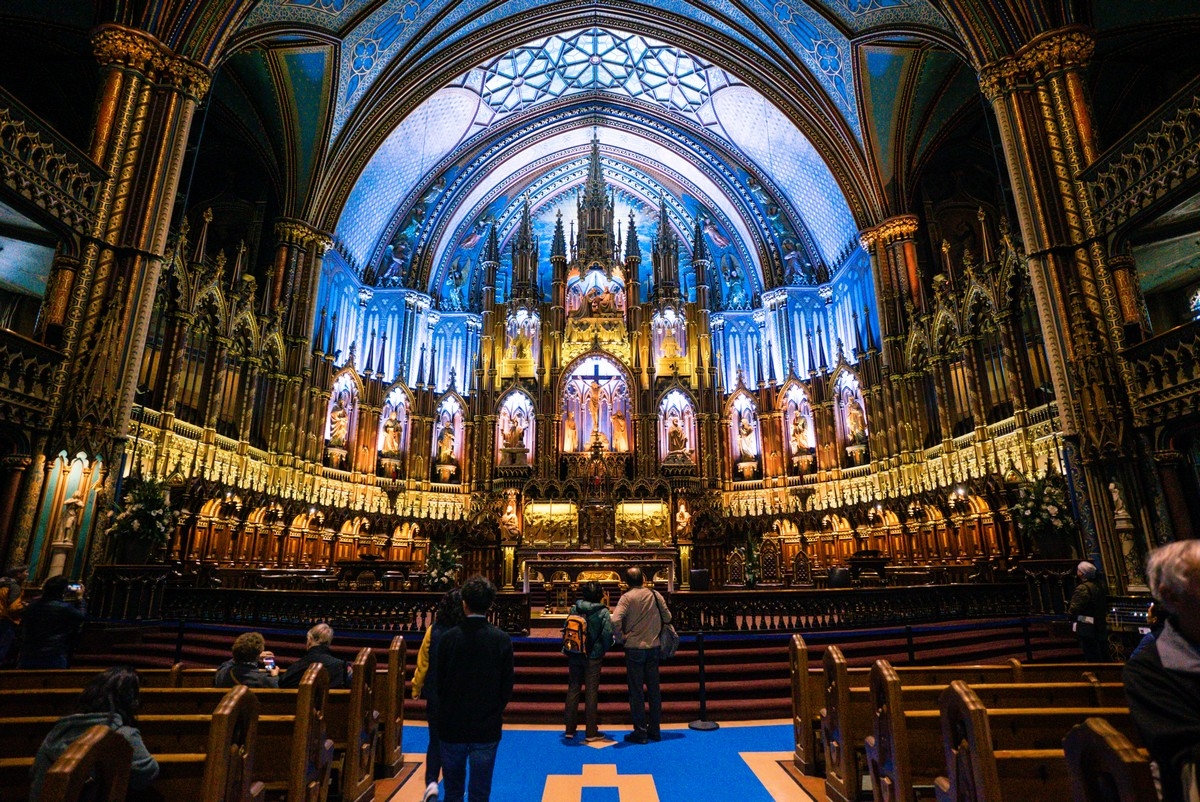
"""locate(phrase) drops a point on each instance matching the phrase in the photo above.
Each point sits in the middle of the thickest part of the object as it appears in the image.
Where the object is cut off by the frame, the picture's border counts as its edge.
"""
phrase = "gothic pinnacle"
(559, 247)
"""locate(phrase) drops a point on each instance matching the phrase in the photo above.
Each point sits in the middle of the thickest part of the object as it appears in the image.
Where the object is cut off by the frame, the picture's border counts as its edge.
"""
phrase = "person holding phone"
(251, 665)
(51, 624)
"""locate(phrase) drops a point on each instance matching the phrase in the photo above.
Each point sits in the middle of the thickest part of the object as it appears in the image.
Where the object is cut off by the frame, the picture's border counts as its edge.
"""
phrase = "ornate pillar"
(249, 395)
(1040, 101)
(216, 383)
(1169, 463)
(12, 469)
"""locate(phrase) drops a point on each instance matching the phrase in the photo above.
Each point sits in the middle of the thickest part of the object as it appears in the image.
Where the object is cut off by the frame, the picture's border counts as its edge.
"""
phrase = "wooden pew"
(904, 751)
(97, 764)
(182, 745)
(1103, 766)
(389, 696)
(847, 716)
(1012, 754)
(306, 775)
(354, 728)
(77, 678)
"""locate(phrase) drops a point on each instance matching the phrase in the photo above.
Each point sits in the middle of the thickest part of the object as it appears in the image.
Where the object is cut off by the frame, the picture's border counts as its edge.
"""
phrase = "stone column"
(1169, 464)
(1040, 101)
(12, 469)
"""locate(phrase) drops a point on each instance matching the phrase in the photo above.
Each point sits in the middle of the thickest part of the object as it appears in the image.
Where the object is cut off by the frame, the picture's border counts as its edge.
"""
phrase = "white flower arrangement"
(442, 566)
(1042, 509)
(143, 514)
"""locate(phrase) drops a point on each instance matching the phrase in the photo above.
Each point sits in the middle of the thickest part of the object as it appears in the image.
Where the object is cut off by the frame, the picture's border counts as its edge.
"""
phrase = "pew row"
(97, 765)
(213, 762)
(904, 753)
(1104, 766)
(1012, 754)
(846, 719)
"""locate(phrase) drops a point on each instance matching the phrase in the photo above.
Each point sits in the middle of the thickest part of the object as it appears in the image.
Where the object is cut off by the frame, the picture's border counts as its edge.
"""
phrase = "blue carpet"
(686, 766)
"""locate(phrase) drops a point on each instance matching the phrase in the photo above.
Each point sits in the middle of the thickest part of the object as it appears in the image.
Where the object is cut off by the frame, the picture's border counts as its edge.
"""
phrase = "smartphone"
(74, 588)
(269, 663)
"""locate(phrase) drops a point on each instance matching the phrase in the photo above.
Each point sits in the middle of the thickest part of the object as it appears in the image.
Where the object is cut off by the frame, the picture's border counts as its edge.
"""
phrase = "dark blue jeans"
(433, 754)
(641, 669)
(455, 757)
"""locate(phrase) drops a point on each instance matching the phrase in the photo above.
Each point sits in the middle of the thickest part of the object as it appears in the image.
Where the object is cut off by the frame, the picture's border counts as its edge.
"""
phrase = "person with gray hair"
(1162, 680)
(1088, 609)
(318, 641)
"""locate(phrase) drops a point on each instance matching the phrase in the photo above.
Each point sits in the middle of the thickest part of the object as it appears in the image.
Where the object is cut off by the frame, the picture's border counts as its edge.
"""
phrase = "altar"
(570, 568)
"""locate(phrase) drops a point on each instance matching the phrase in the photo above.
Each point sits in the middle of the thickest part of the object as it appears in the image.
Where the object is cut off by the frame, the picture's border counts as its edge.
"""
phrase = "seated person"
(319, 638)
(1162, 680)
(110, 699)
(50, 625)
(244, 668)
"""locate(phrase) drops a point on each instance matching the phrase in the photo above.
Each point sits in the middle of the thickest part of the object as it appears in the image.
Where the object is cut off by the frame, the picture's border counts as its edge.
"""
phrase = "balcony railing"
(1167, 373)
(26, 375)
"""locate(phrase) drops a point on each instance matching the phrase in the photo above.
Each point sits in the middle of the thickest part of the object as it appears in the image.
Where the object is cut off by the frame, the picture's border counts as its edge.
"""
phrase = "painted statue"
(856, 421)
(799, 435)
(677, 441)
(391, 434)
(339, 421)
(594, 404)
(445, 451)
(747, 448)
(570, 433)
(620, 435)
(670, 346)
(683, 518)
(514, 435)
(521, 346)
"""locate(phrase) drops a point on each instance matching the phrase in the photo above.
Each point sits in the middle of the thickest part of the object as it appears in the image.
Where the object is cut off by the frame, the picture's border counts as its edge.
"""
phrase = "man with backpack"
(587, 635)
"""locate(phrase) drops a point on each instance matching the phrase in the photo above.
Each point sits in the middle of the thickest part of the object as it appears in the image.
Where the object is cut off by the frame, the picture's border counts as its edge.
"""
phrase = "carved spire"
(559, 248)
(665, 257)
(699, 248)
(632, 249)
(421, 368)
(491, 251)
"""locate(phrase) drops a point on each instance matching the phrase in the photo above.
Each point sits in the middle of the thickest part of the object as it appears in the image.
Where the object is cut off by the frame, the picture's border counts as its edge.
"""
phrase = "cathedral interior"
(741, 291)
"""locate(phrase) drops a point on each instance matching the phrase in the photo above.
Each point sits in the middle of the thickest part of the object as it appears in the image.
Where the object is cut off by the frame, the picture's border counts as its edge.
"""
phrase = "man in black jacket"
(1162, 680)
(50, 625)
(475, 681)
(319, 638)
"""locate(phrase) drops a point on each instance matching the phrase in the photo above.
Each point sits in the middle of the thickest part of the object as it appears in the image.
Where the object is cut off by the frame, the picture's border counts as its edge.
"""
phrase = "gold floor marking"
(775, 780)
(630, 787)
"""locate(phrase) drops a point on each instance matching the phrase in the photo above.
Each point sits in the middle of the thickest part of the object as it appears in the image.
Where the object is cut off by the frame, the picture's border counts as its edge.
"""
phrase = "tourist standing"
(1162, 680)
(11, 605)
(1088, 610)
(637, 622)
(424, 684)
(50, 625)
(318, 644)
(474, 684)
(583, 670)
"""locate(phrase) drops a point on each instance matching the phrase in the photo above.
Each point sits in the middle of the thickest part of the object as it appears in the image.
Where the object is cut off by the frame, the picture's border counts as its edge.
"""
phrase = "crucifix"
(594, 393)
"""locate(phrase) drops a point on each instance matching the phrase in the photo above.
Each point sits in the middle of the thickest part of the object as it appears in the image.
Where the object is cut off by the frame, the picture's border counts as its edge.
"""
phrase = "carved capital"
(18, 462)
(300, 233)
(138, 50)
(893, 229)
(1055, 51)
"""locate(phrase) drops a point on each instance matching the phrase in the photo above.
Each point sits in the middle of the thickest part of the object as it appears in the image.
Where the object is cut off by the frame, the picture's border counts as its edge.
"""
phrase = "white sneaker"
(431, 793)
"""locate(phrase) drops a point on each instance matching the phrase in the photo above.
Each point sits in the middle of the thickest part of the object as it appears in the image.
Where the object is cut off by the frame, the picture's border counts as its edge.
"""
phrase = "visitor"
(110, 699)
(50, 625)
(11, 605)
(317, 644)
(1162, 681)
(1088, 610)
(424, 683)
(474, 684)
(251, 665)
(584, 669)
(637, 622)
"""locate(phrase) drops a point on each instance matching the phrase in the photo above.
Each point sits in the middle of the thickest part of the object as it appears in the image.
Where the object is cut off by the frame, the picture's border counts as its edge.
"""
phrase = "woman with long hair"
(111, 699)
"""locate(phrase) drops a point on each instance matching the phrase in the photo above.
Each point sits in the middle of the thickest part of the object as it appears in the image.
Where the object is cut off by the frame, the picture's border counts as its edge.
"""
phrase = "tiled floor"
(745, 761)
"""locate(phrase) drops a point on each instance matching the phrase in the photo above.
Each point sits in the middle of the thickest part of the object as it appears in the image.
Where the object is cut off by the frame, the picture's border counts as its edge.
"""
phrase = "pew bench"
(1011, 754)
(904, 750)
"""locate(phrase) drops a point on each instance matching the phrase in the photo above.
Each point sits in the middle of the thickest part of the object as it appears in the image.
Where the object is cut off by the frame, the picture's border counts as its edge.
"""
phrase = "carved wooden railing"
(358, 610)
(127, 592)
(26, 375)
(809, 610)
(1166, 369)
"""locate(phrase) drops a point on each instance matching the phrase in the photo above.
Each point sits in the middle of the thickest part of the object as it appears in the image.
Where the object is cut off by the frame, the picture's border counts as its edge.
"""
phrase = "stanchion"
(702, 723)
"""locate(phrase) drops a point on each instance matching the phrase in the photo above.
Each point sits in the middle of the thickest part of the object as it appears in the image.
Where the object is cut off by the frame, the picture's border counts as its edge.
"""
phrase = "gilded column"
(12, 469)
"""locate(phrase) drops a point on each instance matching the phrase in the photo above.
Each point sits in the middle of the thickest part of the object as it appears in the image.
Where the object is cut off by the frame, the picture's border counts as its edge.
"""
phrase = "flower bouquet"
(1043, 515)
(142, 522)
(442, 566)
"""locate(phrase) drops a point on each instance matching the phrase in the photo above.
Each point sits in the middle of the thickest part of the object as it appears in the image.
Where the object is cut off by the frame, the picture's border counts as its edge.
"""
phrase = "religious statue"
(677, 442)
(856, 421)
(68, 525)
(735, 292)
(521, 346)
(339, 420)
(510, 527)
(391, 434)
(445, 451)
(799, 435)
(683, 518)
(455, 297)
(514, 435)
(620, 435)
(570, 433)
(1118, 502)
(747, 448)
(670, 346)
(594, 404)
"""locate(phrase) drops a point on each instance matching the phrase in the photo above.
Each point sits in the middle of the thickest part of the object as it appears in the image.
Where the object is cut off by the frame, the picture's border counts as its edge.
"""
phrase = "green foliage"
(442, 566)
(143, 514)
(1043, 512)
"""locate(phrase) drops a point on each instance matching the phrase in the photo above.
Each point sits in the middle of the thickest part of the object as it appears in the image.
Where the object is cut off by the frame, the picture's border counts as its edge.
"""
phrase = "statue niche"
(447, 436)
(514, 430)
(677, 424)
(595, 407)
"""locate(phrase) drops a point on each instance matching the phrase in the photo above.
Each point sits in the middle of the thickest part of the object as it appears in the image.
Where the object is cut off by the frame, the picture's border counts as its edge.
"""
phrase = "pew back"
(97, 764)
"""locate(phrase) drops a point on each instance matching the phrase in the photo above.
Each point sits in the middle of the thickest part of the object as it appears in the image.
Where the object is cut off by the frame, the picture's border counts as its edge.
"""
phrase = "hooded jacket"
(599, 626)
(69, 728)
